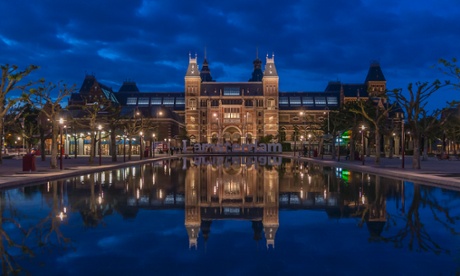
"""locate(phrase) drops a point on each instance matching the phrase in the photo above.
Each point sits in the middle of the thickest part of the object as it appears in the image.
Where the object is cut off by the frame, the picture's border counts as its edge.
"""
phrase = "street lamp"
(218, 128)
(309, 145)
(100, 144)
(124, 148)
(61, 123)
(301, 144)
(362, 143)
(169, 145)
(140, 144)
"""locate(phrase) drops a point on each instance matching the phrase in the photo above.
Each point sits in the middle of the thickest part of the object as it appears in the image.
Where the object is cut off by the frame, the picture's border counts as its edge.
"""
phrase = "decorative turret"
(205, 72)
(192, 70)
(270, 69)
(257, 74)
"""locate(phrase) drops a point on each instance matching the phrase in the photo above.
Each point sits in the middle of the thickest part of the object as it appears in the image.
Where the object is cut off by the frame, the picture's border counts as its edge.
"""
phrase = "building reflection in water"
(232, 188)
(252, 189)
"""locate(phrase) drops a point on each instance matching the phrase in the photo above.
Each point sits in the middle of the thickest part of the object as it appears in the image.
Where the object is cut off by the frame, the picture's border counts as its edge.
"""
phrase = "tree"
(48, 98)
(95, 112)
(414, 105)
(9, 83)
(376, 115)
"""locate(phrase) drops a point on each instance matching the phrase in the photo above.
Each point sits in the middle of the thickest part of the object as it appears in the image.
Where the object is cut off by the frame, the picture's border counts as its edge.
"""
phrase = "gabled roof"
(354, 90)
(349, 90)
(375, 73)
(128, 86)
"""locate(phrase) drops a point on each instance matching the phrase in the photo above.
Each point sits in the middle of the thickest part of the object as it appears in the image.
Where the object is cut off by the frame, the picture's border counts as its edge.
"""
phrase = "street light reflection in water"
(267, 215)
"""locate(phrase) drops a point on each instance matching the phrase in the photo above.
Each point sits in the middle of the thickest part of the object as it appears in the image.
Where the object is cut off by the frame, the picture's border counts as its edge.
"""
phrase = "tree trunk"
(113, 145)
(425, 150)
(42, 144)
(352, 148)
(333, 154)
(54, 147)
(92, 149)
(130, 149)
(377, 146)
(416, 156)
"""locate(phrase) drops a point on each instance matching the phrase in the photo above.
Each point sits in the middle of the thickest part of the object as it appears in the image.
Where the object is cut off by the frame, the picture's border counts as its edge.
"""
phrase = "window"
(295, 101)
(284, 101)
(144, 101)
(332, 101)
(156, 100)
(180, 101)
(231, 91)
(168, 101)
(131, 101)
(307, 101)
(270, 103)
(320, 101)
(231, 113)
(192, 103)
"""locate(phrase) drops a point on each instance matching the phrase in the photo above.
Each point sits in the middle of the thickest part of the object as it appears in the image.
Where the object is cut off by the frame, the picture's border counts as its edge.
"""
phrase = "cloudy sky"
(149, 41)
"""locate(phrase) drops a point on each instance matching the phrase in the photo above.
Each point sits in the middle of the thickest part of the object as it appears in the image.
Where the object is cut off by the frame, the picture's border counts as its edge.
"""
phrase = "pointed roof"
(128, 86)
(192, 69)
(205, 72)
(257, 74)
(270, 68)
(375, 73)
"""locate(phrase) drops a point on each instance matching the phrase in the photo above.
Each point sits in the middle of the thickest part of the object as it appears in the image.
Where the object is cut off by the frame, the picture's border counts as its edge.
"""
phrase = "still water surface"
(230, 216)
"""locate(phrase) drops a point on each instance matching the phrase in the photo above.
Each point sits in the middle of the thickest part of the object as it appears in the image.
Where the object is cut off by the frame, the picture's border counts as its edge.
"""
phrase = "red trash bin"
(26, 163)
(32, 163)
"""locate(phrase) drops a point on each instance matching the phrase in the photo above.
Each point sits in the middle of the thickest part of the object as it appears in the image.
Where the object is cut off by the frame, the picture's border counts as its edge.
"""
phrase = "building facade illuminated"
(208, 111)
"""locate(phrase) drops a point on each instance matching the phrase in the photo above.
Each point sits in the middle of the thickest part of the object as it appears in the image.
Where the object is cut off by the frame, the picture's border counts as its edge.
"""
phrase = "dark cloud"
(149, 41)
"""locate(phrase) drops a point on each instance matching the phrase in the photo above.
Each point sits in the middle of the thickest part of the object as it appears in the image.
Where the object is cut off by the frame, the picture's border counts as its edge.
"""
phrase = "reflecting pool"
(230, 216)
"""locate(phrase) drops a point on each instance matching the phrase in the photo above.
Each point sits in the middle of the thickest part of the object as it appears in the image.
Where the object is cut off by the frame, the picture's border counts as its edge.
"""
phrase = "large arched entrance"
(232, 135)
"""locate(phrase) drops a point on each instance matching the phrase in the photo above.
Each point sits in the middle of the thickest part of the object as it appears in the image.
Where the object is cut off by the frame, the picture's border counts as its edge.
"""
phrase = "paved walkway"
(444, 173)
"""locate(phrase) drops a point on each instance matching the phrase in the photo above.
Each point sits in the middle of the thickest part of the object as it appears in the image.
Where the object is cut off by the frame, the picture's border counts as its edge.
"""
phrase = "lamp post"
(153, 146)
(124, 148)
(100, 144)
(301, 144)
(218, 128)
(61, 123)
(169, 145)
(362, 143)
(309, 145)
(66, 148)
(140, 145)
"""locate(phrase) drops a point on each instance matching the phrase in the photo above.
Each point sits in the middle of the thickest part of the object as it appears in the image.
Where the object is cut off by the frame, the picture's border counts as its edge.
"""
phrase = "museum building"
(208, 111)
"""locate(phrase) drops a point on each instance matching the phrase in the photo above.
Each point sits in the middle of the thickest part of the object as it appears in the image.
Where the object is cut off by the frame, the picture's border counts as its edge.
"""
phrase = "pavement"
(442, 173)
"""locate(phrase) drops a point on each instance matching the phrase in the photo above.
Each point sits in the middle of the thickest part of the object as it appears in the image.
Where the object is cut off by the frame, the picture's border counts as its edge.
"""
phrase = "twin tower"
(235, 112)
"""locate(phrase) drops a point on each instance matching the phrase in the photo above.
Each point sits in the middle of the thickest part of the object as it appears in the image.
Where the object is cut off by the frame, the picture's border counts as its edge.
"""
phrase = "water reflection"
(211, 189)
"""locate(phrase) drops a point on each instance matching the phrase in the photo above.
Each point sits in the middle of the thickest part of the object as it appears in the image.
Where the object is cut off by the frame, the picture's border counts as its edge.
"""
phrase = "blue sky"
(313, 41)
